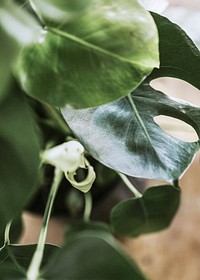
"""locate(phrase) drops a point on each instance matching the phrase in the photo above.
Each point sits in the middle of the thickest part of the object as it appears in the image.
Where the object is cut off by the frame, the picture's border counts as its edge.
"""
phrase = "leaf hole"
(177, 128)
(177, 88)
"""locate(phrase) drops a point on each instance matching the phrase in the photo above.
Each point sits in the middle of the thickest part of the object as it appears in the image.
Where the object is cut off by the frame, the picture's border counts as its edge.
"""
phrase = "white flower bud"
(67, 156)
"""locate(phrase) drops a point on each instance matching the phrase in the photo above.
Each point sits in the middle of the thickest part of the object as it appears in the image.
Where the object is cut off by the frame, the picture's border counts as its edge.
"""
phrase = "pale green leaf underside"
(100, 57)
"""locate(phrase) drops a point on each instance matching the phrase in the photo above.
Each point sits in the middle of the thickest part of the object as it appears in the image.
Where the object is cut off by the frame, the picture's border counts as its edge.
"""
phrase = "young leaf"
(101, 56)
(124, 136)
(152, 212)
(88, 254)
(19, 152)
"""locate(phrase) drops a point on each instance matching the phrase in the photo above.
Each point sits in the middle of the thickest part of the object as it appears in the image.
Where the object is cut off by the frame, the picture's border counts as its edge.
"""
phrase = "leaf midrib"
(94, 47)
(133, 107)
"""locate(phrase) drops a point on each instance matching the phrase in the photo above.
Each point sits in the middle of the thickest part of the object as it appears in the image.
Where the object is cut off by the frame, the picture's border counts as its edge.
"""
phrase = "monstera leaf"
(98, 58)
(124, 136)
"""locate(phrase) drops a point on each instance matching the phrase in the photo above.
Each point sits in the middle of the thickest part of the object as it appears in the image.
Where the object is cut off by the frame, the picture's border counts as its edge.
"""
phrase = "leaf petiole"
(133, 189)
(34, 268)
(88, 207)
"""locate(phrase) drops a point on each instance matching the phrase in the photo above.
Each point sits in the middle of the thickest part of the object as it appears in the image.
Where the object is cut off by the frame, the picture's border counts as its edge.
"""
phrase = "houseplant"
(89, 64)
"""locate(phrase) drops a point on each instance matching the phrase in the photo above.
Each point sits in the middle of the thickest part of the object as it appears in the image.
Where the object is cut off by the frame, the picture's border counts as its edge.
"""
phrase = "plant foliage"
(84, 69)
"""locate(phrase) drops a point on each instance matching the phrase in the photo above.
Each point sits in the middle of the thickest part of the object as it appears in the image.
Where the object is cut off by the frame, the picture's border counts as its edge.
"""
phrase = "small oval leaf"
(150, 213)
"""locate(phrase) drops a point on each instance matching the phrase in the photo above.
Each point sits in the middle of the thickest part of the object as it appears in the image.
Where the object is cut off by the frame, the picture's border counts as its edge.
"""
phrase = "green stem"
(7, 233)
(54, 114)
(133, 189)
(34, 268)
(88, 207)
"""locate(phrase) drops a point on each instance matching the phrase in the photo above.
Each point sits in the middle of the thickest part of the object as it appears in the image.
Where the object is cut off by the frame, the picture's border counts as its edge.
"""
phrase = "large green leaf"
(101, 56)
(89, 255)
(124, 136)
(179, 57)
(152, 212)
(19, 152)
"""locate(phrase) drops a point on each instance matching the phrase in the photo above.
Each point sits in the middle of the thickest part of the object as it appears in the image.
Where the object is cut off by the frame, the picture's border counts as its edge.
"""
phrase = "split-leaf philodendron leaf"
(123, 134)
(99, 57)
(152, 212)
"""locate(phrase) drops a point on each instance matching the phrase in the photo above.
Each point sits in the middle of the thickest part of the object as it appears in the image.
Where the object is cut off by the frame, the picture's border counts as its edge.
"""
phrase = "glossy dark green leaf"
(19, 153)
(21, 255)
(90, 255)
(124, 136)
(153, 212)
(101, 56)
(179, 57)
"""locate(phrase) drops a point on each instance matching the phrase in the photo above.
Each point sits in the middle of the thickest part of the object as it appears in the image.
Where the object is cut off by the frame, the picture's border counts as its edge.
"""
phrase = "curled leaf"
(68, 157)
(84, 185)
